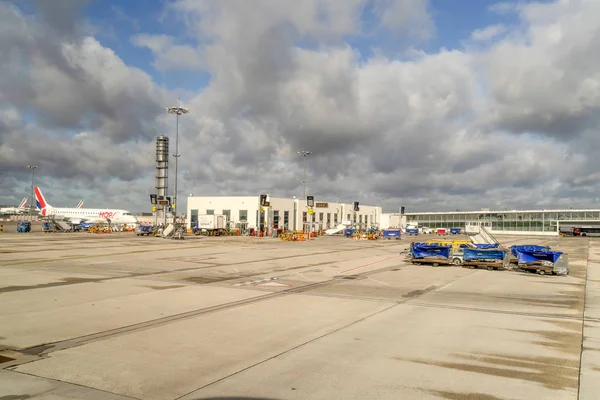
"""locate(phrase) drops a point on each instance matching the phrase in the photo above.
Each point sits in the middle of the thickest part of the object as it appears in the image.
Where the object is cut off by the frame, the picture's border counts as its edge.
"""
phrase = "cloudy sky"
(434, 105)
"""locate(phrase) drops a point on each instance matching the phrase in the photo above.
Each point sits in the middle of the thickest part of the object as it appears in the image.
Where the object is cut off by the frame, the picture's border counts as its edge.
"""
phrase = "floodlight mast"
(32, 168)
(304, 153)
(177, 111)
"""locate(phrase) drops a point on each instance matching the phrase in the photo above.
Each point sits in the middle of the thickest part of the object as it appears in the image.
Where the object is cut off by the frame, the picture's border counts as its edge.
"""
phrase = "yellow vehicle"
(456, 244)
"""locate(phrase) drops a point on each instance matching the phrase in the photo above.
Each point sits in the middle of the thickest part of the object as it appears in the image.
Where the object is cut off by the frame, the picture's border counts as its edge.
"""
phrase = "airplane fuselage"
(78, 215)
(91, 214)
(12, 210)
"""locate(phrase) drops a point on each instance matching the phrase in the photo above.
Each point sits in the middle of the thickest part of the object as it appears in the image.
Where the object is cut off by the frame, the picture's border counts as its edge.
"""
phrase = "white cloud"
(167, 54)
(504, 7)
(511, 124)
(547, 81)
(411, 17)
(488, 33)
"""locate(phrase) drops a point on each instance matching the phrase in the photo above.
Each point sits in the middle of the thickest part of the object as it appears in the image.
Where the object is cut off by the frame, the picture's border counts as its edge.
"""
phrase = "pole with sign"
(310, 203)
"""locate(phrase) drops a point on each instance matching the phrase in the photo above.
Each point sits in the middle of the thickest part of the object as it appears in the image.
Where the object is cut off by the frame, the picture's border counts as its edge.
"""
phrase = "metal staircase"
(479, 233)
(60, 225)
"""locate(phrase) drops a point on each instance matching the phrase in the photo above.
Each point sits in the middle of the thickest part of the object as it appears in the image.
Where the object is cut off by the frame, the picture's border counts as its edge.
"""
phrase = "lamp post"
(177, 111)
(304, 153)
(32, 168)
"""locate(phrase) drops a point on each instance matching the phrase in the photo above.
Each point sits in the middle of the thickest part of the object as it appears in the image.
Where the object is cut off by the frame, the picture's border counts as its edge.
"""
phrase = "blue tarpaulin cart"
(490, 257)
(541, 260)
(391, 233)
(486, 246)
(423, 253)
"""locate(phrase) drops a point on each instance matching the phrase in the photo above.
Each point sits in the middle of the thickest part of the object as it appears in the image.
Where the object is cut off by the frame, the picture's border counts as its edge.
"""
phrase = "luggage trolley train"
(539, 259)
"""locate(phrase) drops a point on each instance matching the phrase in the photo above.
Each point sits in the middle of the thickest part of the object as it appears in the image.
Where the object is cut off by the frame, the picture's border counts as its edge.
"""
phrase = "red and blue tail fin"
(40, 201)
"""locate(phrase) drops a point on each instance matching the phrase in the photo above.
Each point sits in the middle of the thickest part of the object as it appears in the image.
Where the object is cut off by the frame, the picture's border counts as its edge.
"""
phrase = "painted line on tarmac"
(491, 310)
(212, 244)
(286, 351)
(377, 281)
(111, 254)
(366, 265)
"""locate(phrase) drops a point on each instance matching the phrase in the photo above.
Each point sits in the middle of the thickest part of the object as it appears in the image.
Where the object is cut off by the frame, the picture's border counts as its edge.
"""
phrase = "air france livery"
(78, 215)
(20, 209)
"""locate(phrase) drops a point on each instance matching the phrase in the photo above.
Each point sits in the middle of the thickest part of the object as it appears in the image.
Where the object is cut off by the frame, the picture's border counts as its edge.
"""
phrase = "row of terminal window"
(320, 217)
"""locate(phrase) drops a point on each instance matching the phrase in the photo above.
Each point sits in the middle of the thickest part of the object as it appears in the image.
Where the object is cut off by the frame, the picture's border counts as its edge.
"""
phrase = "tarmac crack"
(286, 351)
(583, 320)
(492, 311)
(73, 281)
(365, 274)
(46, 348)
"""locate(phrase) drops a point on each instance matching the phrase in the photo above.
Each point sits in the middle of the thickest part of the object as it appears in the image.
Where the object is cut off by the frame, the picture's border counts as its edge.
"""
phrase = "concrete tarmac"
(117, 316)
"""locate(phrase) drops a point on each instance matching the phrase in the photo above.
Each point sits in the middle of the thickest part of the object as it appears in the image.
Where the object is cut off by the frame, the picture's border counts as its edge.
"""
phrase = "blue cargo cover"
(486, 246)
(412, 231)
(484, 254)
(527, 247)
(454, 230)
(423, 250)
(527, 257)
(391, 233)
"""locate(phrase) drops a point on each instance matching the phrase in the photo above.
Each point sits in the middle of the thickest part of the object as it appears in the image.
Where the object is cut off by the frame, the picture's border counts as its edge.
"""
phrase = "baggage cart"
(391, 233)
(490, 258)
(541, 260)
(436, 255)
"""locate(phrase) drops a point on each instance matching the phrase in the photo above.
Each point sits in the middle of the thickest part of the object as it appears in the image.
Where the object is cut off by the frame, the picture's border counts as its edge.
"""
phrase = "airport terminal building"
(515, 222)
(245, 212)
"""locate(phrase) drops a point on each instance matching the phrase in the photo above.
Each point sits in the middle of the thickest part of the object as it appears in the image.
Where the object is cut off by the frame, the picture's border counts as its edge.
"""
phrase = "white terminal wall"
(295, 207)
(219, 203)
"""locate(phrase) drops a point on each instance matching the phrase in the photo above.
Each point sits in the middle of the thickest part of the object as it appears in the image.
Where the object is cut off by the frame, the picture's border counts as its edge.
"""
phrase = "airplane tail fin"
(80, 204)
(23, 202)
(40, 201)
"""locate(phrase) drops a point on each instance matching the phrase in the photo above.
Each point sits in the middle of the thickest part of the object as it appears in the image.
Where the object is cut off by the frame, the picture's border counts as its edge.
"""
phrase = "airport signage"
(321, 205)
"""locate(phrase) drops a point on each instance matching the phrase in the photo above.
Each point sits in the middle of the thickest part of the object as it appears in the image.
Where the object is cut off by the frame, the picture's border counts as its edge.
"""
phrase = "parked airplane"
(78, 215)
(20, 209)
(79, 205)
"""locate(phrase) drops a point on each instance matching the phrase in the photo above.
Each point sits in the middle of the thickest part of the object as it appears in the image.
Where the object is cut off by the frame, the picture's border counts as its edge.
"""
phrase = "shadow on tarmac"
(232, 398)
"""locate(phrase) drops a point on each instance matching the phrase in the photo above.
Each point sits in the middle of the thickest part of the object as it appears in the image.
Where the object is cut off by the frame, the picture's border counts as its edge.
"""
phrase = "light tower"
(304, 153)
(162, 176)
(32, 168)
(177, 111)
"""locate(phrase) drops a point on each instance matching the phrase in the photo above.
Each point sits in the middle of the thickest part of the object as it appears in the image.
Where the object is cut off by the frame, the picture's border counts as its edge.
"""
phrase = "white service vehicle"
(210, 224)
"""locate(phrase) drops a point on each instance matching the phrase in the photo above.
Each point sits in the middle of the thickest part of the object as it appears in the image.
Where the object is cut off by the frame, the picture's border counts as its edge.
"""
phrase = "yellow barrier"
(364, 236)
(293, 236)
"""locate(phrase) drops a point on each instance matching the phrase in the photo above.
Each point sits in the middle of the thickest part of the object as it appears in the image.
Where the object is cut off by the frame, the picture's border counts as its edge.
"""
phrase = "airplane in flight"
(78, 215)
(20, 209)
